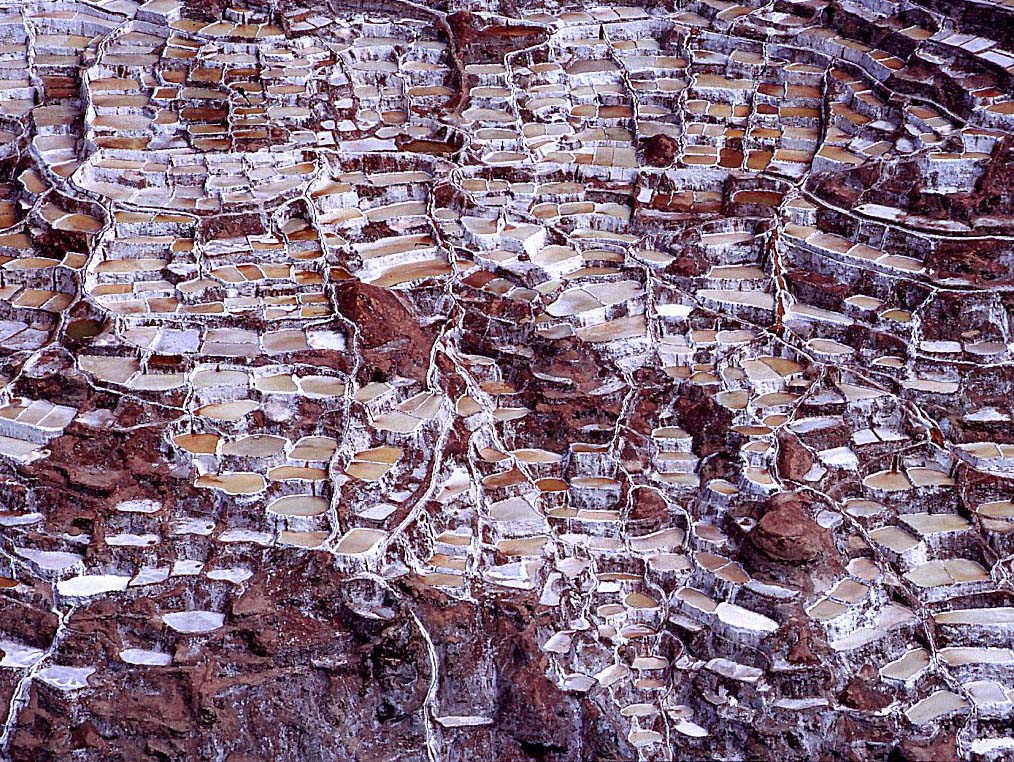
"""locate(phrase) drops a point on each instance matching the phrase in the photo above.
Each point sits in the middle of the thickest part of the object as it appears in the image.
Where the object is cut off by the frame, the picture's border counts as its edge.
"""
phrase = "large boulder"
(794, 460)
(787, 532)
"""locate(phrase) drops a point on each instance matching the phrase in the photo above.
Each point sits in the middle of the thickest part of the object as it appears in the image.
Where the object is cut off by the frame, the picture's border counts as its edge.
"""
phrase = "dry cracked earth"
(506, 380)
